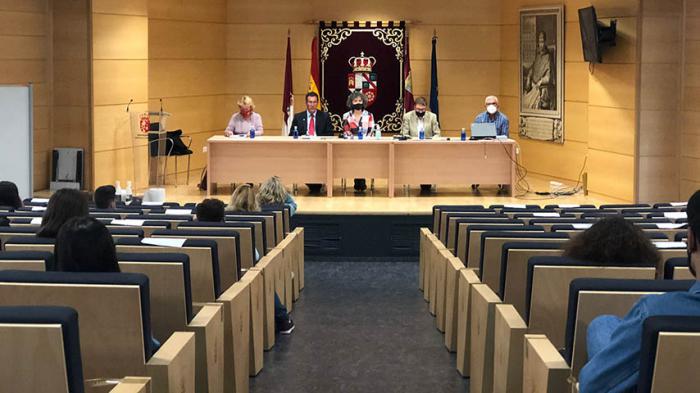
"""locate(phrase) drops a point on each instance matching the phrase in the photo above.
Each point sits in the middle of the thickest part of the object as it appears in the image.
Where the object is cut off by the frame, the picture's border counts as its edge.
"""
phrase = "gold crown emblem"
(362, 63)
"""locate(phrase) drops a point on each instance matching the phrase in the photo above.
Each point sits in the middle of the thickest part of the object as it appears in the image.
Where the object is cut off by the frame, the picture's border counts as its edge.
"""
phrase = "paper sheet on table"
(164, 242)
(679, 204)
(178, 212)
(581, 226)
(38, 208)
(548, 215)
(676, 215)
(128, 223)
(665, 245)
(665, 225)
(515, 206)
(40, 200)
(566, 206)
(151, 203)
(36, 221)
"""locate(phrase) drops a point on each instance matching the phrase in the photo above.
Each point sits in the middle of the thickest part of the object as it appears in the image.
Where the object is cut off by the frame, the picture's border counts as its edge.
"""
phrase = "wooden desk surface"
(320, 160)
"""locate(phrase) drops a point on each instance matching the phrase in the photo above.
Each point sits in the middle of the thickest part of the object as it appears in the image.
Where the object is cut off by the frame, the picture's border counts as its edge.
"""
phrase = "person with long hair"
(273, 194)
(84, 244)
(63, 205)
(245, 200)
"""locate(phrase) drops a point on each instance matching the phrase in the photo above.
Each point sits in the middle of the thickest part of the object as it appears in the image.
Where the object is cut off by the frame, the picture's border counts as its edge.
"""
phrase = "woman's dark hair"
(63, 205)
(613, 240)
(693, 212)
(85, 245)
(9, 195)
(211, 210)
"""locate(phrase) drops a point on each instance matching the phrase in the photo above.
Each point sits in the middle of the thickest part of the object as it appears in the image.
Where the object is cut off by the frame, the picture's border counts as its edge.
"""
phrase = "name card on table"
(668, 245)
(164, 242)
(178, 212)
(666, 225)
(547, 215)
(676, 215)
(128, 223)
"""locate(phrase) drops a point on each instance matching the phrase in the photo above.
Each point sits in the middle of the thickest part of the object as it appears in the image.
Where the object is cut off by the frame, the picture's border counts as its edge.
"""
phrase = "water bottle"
(463, 135)
(252, 133)
(421, 134)
(119, 191)
(128, 193)
(377, 132)
(360, 133)
(295, 133)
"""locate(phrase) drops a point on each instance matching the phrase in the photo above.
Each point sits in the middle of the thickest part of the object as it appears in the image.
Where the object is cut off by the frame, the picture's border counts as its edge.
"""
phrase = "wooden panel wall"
(690, 117)
(25, 35)
(468, 50)
(120, 73)
(72, 78)
(187, 70)
(599, 107)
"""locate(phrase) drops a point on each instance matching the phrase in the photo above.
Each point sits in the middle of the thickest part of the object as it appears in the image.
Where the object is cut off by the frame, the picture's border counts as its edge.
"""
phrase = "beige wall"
(71, 78)
(599, 107)
(690, 117)
(25, 35)
(120, 73)
(468, 50)
(187, 70)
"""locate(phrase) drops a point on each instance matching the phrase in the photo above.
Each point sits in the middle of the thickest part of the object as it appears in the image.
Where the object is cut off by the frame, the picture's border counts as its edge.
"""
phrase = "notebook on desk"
(483, 131)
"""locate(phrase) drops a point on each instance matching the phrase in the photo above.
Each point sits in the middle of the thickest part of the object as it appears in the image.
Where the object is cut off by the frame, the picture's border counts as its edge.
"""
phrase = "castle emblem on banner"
(362, 78)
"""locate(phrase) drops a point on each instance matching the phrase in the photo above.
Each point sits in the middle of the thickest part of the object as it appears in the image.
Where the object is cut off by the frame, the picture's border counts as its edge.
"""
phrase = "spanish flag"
(314, 76)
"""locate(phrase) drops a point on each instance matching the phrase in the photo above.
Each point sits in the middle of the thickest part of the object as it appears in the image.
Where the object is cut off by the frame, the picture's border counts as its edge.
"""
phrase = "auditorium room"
(231, 196)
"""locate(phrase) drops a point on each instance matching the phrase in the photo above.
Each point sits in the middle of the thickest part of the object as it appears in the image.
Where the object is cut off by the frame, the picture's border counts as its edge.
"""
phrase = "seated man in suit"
(493, 115)
(419, 119)
(312, 122)
(614, 344)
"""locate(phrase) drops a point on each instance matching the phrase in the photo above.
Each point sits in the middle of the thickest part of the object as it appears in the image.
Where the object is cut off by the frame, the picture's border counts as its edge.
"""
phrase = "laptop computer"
(483, 131)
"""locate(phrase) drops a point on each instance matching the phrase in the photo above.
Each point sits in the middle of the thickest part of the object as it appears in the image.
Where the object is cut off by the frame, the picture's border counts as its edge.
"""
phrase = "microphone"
(129, 104)
(161, 105)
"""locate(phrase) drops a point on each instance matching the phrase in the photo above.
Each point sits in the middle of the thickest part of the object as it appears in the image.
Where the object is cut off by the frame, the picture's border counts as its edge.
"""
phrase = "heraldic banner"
(363, 57)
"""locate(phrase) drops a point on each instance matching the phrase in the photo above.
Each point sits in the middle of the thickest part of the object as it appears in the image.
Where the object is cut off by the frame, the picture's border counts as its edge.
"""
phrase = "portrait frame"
(541, 73)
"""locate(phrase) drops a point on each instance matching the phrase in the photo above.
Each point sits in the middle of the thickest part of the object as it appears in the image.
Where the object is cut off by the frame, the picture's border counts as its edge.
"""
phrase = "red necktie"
(312, 125)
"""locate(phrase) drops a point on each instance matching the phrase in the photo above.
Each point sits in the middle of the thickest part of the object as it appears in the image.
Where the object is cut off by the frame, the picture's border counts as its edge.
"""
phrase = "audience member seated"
(244, 200)
(84, 245)
(63, 205)
(210, 210)
(106, 197)
(9, 197)
(614, 344)
(615, 241)
(273, 195)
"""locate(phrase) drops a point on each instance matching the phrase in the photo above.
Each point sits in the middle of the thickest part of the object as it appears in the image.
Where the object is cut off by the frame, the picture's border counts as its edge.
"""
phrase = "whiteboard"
(16, 137)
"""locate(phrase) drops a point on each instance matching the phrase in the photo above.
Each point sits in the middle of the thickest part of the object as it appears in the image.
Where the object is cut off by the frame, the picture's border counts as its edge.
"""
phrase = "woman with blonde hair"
(245, 120)
(244, 200)
(272, 195)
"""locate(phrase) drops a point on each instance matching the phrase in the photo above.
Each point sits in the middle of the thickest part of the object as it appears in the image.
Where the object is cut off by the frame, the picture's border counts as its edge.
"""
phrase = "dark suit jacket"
(323, 124)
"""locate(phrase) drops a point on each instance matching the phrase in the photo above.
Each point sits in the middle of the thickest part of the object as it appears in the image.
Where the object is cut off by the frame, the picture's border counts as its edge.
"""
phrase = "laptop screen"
(483, 130)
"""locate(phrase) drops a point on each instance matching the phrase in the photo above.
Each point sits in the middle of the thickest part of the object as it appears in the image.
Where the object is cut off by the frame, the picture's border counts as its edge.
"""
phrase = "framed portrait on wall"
(542, 74)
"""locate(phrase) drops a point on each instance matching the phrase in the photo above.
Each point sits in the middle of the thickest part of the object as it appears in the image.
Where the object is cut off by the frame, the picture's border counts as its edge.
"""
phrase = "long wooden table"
(321, 160)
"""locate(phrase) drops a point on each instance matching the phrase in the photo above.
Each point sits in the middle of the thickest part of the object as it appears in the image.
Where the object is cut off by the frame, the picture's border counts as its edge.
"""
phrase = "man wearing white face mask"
(493, 115)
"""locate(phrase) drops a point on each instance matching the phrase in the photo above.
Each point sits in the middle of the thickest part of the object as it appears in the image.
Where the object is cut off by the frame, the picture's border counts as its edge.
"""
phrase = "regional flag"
(287, 96)
(407, 79)
(315, 74)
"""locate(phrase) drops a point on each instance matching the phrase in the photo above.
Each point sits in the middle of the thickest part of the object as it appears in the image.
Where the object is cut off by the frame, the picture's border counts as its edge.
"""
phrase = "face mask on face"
(491, 109)
(358, 107)
(420, 114)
